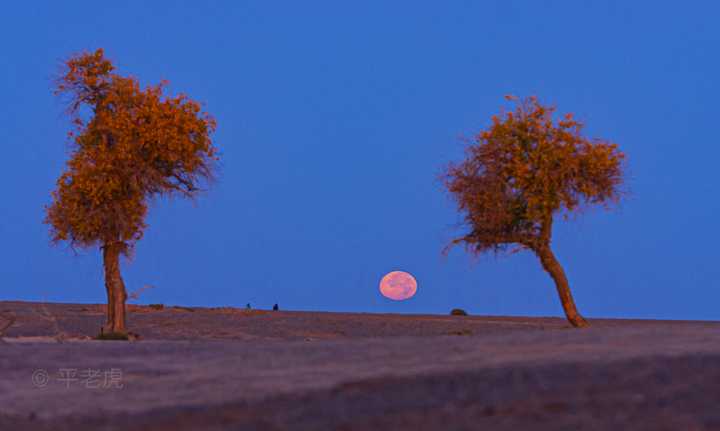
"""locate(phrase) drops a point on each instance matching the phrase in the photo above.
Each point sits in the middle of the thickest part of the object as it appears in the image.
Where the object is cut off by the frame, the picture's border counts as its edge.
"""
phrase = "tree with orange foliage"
(522, 171)
(130, 145)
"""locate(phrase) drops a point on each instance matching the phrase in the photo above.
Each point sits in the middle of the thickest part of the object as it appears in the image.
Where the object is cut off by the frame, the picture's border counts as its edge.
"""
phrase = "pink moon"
(398, 285)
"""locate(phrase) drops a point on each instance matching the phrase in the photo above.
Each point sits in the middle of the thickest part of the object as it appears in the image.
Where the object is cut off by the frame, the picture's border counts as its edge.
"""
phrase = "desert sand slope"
(231, 369)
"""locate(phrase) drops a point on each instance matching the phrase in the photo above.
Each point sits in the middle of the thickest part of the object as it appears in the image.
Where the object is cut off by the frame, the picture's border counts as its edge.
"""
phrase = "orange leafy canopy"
(134, 145)
(525, 168)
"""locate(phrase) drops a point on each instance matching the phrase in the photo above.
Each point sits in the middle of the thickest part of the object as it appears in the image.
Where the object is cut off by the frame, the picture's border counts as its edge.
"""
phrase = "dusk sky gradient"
(334, 121)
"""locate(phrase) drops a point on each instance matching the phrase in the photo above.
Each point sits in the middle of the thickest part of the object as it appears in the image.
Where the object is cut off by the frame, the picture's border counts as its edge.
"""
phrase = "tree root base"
(579, 323)
(113, 336)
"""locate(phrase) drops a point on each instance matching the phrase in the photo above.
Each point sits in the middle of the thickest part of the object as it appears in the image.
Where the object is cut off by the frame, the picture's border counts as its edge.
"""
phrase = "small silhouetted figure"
(275, 307)
(248, 306)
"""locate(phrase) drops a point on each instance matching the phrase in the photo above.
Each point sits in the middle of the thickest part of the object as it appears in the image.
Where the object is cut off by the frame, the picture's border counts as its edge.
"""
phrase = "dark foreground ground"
(227, 369)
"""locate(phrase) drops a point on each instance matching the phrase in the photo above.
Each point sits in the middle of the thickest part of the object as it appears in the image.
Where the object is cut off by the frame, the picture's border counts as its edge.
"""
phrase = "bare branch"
(136, 294)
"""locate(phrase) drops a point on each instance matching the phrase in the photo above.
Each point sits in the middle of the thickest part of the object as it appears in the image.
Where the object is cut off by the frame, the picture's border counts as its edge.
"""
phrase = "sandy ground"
(221, 369)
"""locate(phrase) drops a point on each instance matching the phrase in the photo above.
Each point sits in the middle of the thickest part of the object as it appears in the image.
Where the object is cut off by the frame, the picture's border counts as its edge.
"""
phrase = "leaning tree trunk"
(115, 289)
(552, 266)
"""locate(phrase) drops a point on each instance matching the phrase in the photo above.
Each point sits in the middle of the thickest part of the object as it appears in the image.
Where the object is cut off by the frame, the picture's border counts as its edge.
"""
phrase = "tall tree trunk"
(115, 289)
(553, 267)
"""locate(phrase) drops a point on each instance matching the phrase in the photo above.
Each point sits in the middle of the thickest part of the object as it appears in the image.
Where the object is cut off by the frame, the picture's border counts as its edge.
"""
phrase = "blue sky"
(334, 120)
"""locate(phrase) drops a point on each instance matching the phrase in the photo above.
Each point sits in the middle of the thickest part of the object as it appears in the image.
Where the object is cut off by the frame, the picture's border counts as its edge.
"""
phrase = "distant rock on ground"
(458, 312)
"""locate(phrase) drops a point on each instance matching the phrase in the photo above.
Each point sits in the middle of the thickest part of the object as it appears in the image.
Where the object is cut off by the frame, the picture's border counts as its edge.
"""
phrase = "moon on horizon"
(398, 285)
